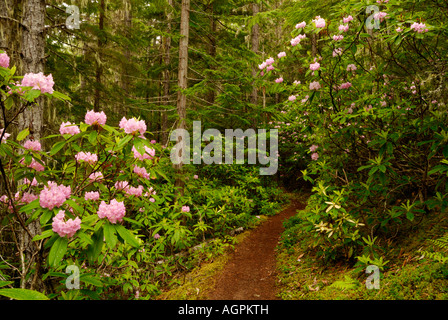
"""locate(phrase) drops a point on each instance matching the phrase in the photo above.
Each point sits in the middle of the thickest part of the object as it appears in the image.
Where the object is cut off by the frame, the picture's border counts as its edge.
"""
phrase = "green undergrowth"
(410, 270)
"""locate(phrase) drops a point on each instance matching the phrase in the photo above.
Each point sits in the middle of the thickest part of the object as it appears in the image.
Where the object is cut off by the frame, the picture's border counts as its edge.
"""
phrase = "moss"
(408, 276)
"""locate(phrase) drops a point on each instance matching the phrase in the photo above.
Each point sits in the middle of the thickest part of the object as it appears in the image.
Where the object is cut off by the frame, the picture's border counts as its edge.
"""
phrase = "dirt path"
(250, 272)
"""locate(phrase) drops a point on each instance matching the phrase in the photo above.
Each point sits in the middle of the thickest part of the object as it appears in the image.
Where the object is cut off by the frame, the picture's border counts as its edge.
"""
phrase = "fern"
(346, 284)
(440, 243)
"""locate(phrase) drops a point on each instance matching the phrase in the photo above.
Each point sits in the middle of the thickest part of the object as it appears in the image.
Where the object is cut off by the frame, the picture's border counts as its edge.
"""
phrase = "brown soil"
(250, 271)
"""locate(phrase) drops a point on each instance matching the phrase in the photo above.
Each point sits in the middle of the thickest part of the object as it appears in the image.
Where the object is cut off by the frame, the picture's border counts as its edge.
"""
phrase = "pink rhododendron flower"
(315, 156)
(262, 65)
(149, 153)
(133, 126)
(133, 191)
(185, 209)
(33, 165)
(270, 61)
(5, 135)
(32, 183)
(314, 148)
(343, 27)
(399, 29)
(315, 66)
(351, 67)
(279, 80)
(347, 19)
(281, 54)
(38, 81)
(380, 16)
(65, 228)
(315, 85)
(292, 98)
(88, 157)
(4, 60)
(337, 52)
(121, 185)
(419, 27)
(338, 37)
(96, 176)
(319, 22)
(92, 195)
(195, 176)
(141, 172)
(28, 197)
(295, 41)
(53, 195)
(32, 145)
(68, 128)
(301, 25)
(345, 85)
(114, 212)
(95, 118)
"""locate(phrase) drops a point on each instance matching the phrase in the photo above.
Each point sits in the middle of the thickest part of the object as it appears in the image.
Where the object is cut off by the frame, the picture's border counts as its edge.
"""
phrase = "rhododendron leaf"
(45, 217)
(43, 235)
(94, 250)
(124, 141)
(57, 147)
(127, 235)
(32, 94)
(30, 206)
(23, 294)
(91, 280)
(5, 283)
(109, 235)
(23, 134)
(60, 96)
(57, 251)
(92, 137)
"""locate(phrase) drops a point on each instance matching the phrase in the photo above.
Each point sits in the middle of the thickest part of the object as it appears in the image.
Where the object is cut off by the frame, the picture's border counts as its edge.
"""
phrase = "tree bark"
(33, 60)
(182, 81)
(166, 75)
(99, 66)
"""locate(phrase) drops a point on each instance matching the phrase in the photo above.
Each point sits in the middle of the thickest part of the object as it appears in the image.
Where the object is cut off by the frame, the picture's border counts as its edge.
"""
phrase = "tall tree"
(182, 80)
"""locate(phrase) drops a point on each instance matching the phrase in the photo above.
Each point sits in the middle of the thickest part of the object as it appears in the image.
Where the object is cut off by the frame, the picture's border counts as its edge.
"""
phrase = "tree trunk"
(166, 75)
(33, 55)
(182, 80)
(99, 64)
(255, 44)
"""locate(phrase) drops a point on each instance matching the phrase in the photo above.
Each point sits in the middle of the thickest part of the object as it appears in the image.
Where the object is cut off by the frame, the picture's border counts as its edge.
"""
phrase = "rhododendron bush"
(364, 119)
(103, 198)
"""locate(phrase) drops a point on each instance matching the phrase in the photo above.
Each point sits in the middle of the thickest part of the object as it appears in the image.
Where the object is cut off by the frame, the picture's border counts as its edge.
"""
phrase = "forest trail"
(250, 272)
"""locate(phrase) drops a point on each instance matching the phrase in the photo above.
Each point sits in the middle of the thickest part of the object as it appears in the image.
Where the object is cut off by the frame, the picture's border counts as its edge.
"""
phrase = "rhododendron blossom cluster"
(419, 27)
(38, 81)
(32, 145)
(54, 195)
(149, 153)
(68, 128)
(133, 126)
(95, 118)
(4, 60)
(114, 212)
(65, 228)
(5, 135)
(88, 157)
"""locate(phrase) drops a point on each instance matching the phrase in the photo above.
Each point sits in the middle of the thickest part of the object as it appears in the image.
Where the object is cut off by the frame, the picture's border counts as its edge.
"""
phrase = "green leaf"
(94, 250)
(45, 217)
(23, 134)
(57, 251)
(91, 280)
(57, 147)
(124, 141)
(43, 235)
(127, 236)
(23, 294)
(110, 235)
(32, 94)
(5, 283)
